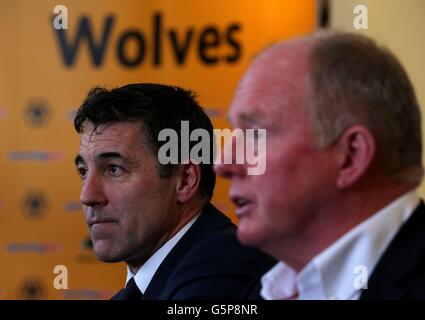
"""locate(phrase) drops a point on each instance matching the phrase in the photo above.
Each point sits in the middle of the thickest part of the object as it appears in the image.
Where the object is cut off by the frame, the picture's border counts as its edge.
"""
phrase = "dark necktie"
(131, 291)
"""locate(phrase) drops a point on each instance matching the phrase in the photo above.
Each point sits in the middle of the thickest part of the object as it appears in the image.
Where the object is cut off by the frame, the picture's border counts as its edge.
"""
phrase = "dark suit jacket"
(399, 273)
(207, 263)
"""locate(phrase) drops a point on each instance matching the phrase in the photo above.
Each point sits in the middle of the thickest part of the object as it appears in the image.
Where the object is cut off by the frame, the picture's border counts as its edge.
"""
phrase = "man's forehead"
(119, 137)
(122, 126)
(120, 130)
(249, 114)
(260, 100)
(290, 49)
(281, 62)
(277, 80)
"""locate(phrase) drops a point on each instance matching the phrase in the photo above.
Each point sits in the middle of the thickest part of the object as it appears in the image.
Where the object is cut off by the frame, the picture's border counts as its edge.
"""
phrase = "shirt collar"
(279, 283)
(146, 272)
(338, 271)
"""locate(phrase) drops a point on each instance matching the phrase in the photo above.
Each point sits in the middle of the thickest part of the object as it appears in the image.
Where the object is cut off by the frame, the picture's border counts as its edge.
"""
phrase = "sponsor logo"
(33, 247)
(35, 204)
(37, 113)
(73, 206)
(87, 294)
(34, 155)
(32, 288)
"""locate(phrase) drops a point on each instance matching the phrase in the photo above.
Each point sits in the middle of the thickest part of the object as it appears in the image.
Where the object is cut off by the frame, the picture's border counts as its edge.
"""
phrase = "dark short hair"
(157, 107)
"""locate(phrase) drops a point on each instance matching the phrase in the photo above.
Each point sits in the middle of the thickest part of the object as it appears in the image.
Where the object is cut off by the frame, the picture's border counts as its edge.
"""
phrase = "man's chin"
(246, 237)
(105, 254)
(107, 259)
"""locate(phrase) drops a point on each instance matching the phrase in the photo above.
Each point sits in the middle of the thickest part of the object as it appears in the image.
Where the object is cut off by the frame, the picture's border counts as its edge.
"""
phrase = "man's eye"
(82, 172)
(115, 170)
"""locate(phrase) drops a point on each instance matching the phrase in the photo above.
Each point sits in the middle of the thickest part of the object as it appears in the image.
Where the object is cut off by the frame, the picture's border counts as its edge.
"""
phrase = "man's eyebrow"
(102, 156)
(109, 155)
(115, 155)
(79, 159)
(250, 118)
(246, 119)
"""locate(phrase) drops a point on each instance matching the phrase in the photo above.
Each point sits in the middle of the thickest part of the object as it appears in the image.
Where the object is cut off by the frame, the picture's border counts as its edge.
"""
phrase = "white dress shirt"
(341, 270)
(144, 275)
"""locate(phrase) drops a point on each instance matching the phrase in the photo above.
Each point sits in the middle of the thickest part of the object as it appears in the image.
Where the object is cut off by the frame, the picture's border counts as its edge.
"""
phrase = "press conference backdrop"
(45, 74)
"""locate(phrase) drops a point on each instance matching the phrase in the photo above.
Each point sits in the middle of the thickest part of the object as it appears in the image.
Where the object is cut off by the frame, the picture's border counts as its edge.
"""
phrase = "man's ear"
(189, 180)
(357, 149)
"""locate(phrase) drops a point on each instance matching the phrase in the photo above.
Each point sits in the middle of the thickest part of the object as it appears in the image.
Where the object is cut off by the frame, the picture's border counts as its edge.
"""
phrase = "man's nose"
(92, 192)
(228, 163)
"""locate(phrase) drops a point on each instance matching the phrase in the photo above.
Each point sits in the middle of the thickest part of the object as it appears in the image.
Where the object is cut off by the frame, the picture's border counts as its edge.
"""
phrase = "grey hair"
(355, 81)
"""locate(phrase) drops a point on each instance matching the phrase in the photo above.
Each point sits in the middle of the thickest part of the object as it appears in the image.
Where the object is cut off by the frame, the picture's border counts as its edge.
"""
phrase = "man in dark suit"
(337, 204)
(150, 207)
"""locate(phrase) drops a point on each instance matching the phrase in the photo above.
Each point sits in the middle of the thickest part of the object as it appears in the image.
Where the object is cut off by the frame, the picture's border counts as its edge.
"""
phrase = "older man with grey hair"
(337, 204)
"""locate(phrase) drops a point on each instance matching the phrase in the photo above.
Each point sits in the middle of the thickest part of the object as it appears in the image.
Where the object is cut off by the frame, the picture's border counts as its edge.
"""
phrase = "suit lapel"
(209, 222)
(391, 277)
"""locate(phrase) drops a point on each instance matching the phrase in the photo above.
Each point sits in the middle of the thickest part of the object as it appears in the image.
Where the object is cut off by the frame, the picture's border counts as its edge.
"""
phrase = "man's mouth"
(242, 205)
(93, 222)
